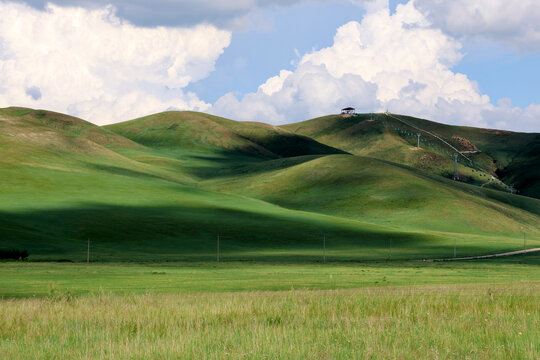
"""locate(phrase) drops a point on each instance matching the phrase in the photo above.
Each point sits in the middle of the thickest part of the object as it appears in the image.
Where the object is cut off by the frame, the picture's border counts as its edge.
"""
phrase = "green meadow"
(229, 310)
(495, 321)
(45, 279)
(321, 229)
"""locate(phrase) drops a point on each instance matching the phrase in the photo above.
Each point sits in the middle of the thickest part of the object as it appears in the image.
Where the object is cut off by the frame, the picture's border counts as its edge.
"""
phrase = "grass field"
(494, 321)
(247, 310)
(65, 279)
(388, 310)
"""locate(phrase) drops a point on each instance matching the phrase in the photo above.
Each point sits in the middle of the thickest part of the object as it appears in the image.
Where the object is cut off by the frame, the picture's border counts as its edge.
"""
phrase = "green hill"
(54, 135)
(199, 145)
(198, 131)
(163, 187)
(368, 189)
(496, 153)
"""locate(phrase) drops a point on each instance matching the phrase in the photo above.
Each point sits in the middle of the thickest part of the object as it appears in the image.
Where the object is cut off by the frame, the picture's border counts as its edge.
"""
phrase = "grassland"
(509, 156)
(465, 322)
(162, 188)
(379, 310)
(66, 279)
(153, 194)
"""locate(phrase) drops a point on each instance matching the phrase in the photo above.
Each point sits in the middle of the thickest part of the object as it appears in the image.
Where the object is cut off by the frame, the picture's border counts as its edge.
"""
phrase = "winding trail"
(510, 253)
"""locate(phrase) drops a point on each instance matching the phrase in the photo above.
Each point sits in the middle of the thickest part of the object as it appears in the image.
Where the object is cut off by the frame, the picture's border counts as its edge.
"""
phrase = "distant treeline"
(13, 254)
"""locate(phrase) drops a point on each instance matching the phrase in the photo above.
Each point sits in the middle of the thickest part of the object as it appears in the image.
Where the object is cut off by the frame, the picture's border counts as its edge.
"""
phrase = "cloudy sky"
(454, 61)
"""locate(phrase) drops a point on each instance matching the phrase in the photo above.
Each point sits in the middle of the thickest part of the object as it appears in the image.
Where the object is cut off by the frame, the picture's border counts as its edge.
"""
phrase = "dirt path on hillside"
(485, 256)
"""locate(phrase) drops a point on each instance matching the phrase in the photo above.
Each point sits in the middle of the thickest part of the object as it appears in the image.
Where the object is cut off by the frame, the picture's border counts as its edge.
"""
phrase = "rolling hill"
(163, 187)
(505, 155)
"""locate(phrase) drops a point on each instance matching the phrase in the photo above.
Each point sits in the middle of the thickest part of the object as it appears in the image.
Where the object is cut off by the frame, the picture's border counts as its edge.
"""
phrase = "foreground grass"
(452, 321)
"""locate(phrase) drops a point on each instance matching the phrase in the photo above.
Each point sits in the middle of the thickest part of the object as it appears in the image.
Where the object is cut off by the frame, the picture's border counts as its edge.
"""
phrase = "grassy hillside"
(165, 186)
(523, 170)
(55, 198)
(198, 145)
(372, 190)
(53, 137)
(198, 131)
(501, 154)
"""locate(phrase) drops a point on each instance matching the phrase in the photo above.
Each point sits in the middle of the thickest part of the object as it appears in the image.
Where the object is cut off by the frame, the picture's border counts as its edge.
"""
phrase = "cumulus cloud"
(308, 92)
(397, 62)
(513, 22)
(92, 64)
(167, 12)
(514, 118)
(237, 14)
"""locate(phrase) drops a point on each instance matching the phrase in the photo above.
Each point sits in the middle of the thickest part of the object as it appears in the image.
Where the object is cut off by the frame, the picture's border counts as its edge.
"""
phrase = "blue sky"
(257, 54)
(501, 73)
(275, 61)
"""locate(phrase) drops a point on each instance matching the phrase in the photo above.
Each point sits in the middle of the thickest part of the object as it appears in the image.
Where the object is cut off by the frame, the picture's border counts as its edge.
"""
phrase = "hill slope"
(380, 192)
(199, 145)
(198, 131)
(497, 153)
(163, 187)
(52, 133)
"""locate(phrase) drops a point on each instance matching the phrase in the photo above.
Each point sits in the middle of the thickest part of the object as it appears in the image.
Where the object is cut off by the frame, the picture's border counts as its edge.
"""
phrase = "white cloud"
(397, 62)
(275, 83)
(94, 65)
(238, 14)
(308, 92)
(513, 118)
(513, 22)
(168, 12)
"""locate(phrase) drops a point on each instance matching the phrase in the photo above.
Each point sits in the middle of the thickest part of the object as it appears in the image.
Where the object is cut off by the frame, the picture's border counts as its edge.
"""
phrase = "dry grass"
(454, 322)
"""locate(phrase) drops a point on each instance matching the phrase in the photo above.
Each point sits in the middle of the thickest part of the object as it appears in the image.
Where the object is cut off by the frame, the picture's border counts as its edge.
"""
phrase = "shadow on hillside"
(117, 170)
(190, 234)
(291, 145)
(212, 161)
(215, 168)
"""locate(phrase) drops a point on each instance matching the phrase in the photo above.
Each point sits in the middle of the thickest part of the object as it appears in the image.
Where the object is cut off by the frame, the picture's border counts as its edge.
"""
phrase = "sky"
(459, 62)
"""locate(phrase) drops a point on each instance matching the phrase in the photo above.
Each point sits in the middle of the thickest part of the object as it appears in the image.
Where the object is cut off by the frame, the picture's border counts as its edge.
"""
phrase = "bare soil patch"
(465, 143)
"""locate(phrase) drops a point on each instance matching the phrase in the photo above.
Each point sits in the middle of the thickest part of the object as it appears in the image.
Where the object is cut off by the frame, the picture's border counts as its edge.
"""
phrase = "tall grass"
(455, 322)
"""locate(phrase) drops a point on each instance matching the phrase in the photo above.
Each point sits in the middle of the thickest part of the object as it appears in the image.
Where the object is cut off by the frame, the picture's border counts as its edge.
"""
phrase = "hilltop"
(164, 186)
(191, 130)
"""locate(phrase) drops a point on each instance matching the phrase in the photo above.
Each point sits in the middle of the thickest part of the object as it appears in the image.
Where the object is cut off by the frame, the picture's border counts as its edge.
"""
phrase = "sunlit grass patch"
(476, 322)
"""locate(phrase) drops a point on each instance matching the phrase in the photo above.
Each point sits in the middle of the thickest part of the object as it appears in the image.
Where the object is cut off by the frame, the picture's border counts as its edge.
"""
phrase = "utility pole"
(455, 168)
(218, 248)
(88, 252)
(524, 238)
(418, 135)
(324, 249)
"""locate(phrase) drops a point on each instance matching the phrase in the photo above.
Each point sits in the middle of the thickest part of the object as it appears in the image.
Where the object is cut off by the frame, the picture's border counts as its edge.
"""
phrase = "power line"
(427, 132)
(458, 153)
